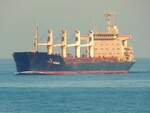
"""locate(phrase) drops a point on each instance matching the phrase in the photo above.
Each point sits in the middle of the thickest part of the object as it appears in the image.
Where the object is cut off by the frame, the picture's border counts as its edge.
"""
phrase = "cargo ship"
(106, 53)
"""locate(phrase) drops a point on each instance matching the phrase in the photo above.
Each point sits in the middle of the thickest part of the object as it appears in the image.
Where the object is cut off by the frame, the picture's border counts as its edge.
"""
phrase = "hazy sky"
(18, 17)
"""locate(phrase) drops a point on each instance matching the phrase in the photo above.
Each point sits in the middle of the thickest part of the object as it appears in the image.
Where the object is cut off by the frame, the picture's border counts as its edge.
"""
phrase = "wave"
(142, 71)
(93, 83)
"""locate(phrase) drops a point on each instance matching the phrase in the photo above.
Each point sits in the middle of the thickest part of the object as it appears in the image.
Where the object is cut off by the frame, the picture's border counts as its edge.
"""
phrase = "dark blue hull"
(42, 63)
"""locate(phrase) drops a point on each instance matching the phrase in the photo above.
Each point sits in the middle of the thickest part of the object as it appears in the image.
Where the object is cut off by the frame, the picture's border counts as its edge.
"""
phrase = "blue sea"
(117, 93)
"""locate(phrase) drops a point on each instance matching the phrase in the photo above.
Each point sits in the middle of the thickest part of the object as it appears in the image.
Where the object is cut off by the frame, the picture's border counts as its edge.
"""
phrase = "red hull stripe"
(75, 72)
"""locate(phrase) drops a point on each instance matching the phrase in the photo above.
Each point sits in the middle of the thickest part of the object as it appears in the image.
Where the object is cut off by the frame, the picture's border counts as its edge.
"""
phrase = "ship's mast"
(36, 39)
(109, 20)
(111, 28)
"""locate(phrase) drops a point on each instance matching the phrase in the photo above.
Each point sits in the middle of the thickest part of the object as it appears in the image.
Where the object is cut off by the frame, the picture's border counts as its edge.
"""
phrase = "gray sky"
(18, 18)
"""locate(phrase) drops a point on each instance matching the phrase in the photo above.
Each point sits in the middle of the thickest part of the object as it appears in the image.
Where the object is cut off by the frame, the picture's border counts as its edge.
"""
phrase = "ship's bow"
(22, 61)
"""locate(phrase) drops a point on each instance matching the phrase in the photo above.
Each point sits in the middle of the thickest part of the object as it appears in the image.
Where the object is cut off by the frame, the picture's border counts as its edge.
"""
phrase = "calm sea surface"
(123, 93)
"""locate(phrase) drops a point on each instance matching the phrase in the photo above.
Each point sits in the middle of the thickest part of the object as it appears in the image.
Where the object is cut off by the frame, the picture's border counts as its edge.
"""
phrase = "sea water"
(104, 93)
